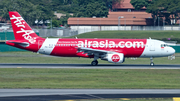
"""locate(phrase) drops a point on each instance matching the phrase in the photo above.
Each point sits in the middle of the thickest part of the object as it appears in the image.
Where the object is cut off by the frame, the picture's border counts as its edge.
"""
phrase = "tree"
(97, 9)
(27, 9)
(32, 10)
(159, 8)
(61, 21)
(138, 4)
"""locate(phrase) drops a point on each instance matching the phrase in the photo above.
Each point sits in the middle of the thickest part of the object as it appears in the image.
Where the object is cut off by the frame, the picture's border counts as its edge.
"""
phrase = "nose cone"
(172, 51)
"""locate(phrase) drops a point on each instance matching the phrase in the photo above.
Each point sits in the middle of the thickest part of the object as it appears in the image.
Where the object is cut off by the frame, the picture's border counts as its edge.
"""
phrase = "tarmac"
(79, 94)
(88, 66)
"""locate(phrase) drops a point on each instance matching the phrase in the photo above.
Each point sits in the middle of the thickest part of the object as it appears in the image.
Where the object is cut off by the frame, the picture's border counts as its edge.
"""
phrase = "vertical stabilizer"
(22, 31)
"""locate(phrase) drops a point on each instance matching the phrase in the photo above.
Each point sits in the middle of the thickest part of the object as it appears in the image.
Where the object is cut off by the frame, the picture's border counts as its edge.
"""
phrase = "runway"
(77, 94)
(88, 66)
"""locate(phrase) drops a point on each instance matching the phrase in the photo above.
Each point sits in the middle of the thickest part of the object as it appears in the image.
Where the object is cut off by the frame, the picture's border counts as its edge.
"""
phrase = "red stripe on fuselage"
(129, 47)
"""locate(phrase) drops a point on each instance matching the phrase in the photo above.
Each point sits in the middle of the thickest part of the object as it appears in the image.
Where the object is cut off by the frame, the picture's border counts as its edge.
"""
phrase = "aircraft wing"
(91, 51)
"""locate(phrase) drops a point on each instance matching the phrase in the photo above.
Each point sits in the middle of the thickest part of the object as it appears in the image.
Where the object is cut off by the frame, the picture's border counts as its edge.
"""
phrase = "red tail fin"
(22, 31)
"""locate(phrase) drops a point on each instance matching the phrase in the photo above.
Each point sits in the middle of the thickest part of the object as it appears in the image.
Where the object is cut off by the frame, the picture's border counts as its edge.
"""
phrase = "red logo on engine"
(115, 58)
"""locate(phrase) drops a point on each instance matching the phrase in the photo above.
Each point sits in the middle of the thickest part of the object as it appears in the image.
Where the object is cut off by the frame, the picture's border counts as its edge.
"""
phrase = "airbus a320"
(111, 50)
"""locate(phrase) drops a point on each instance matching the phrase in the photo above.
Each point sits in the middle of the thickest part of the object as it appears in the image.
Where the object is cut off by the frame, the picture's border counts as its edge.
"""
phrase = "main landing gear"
(94, 63)
(151, 64)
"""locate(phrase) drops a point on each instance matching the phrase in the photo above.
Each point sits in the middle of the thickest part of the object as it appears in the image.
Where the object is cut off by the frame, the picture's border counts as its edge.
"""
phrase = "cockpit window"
(164, 45)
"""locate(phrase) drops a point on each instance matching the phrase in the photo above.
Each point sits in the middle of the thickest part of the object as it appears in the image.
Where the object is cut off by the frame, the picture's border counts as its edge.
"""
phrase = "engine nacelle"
(115, 58)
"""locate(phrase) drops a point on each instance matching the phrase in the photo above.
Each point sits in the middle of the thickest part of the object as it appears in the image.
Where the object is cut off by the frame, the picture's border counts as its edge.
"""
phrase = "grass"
(84, 78)
(29, 57)
(131, 34)
(89, 78)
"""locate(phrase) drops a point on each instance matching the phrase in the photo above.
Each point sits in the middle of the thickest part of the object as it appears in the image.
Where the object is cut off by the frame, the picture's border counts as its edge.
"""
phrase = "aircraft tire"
(94, 63)
(151, 64)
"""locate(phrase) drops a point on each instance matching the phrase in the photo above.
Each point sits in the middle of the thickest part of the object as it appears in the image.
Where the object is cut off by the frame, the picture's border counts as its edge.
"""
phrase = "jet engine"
(115, 58)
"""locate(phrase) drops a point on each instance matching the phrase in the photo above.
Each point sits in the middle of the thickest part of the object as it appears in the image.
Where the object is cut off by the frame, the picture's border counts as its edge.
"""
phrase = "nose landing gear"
(152, 63)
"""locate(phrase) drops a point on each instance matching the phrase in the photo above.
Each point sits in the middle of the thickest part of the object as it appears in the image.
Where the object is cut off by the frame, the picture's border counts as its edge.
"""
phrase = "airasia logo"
(19, 22)
(115, 58)
(111, 44)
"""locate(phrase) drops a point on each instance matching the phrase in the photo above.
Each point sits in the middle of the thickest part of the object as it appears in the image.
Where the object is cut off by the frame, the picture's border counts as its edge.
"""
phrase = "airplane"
(111, 50)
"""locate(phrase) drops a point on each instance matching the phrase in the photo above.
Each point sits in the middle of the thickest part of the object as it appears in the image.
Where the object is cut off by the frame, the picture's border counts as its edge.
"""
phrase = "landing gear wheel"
(94, 63)
(151, 64)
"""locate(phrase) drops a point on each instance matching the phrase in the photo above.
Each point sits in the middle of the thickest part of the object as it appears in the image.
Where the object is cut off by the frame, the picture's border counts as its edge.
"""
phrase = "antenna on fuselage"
(149, 37)
(76, 37)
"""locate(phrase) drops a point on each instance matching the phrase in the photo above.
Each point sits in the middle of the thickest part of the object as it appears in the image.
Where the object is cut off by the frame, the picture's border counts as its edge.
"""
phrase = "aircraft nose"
(172, 50)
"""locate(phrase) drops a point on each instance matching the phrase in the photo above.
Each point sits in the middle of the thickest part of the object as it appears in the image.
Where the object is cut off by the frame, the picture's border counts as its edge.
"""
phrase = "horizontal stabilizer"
(23, 44)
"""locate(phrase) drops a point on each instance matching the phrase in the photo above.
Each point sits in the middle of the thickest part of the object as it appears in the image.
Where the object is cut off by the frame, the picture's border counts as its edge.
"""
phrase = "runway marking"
(19, 67)
(176, 99)
(124, 99)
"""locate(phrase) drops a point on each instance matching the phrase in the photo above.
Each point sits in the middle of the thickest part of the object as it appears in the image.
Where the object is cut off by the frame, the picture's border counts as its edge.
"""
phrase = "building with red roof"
(122, 14)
